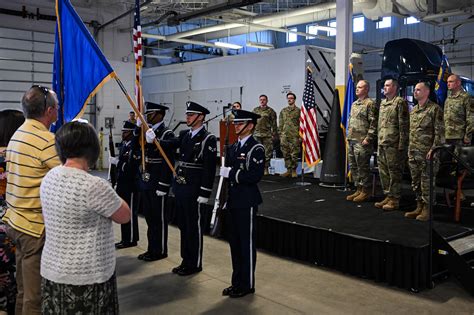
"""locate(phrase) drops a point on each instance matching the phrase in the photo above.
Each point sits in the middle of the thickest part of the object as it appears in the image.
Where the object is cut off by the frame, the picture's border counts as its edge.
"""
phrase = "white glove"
(224, 172)
(113, 160)
(139, 122)
(160, 193)
(202, 200)
(150, 135)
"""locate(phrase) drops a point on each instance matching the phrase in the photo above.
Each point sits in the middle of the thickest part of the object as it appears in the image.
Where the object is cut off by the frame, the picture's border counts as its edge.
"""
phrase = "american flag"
(137, 49)
(309, 124)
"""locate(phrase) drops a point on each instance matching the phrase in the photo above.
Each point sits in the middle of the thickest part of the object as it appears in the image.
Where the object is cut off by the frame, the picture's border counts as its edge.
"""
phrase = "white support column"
(343, 44)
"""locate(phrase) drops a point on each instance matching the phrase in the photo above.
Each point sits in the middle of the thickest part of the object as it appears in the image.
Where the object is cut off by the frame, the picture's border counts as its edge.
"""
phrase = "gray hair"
(36, 101)
(366, 83)
(458, 78)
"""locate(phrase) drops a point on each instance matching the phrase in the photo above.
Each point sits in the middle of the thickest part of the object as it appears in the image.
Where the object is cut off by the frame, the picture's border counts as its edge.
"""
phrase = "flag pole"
(144, 123)
(142, 133)
(302, 183)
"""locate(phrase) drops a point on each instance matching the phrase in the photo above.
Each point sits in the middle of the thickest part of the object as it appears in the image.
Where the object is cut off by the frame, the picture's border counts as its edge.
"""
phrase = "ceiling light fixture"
(325, 28)
(227, 45)
(260, 45)
(158, 57)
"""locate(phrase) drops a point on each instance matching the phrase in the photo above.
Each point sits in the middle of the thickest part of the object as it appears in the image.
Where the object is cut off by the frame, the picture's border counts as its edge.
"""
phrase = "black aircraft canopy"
(407, 57)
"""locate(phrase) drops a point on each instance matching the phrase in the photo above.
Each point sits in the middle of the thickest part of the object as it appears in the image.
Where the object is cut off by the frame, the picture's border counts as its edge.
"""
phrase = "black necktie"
(238, 146)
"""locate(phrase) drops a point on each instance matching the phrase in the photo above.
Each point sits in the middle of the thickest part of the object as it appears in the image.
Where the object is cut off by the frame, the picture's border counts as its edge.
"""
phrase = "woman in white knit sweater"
(78, 260)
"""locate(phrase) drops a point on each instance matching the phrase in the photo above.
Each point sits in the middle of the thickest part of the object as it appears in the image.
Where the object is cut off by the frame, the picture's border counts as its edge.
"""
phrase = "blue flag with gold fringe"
(441, 87)
(349, 98)
(80, 68)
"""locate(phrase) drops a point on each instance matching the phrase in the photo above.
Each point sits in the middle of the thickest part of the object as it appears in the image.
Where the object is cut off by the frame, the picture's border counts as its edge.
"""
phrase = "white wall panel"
(20, 59)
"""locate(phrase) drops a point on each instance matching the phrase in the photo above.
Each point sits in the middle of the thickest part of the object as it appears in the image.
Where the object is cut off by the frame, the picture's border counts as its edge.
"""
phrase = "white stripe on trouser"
(251, 251)
(131, 218)
(199, 234)
(162, 225)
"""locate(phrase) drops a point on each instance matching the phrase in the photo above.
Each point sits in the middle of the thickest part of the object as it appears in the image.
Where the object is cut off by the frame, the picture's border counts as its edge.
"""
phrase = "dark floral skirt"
(7, 267)
(65, 299)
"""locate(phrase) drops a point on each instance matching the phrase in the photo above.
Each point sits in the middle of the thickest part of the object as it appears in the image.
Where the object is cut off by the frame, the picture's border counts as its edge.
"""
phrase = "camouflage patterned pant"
(290, 146)
(391, 163)
(359, 159)
(420, 177)
(268, 145)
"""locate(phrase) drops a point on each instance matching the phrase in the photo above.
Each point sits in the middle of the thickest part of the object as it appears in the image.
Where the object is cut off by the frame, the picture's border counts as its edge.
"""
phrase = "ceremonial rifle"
(112, 167)
(221, 195)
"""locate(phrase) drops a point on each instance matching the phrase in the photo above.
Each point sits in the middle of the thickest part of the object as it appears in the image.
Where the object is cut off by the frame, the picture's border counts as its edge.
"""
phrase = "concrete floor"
(282, 287)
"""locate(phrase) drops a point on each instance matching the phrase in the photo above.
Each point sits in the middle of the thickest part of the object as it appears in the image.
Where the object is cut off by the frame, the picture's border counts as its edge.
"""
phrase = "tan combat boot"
(293, 174)
(413, 214)
(363, 196)
(425, 213)
(355, 194)
(392, 204)
(382, 203)
(286, 174)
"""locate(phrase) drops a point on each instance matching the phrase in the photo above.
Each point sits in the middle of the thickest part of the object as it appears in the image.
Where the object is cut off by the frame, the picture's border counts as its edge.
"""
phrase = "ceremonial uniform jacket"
(393, 123)
(247, 165)
(363, 121)
(197, 161)
(459, 116)
(426, 127)
(127, 168)
(160, 175)
(267, 123)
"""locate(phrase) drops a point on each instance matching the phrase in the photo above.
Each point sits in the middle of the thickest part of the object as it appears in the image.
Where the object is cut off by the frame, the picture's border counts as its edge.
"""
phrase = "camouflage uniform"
(458, 118)
(426, 132)
(264, 131)
(392, 143)
(289, 135)
(362, 125)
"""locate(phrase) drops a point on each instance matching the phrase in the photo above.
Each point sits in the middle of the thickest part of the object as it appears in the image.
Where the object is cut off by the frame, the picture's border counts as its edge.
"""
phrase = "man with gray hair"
(392, 143)
(30, 154)
(362, 130)
(458, 113)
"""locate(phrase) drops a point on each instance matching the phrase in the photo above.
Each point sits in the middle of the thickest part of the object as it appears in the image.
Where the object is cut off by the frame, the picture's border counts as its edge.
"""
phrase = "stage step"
(463, 245)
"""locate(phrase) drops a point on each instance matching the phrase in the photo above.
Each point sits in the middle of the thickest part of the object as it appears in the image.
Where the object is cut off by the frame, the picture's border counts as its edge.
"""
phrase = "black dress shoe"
(177, 269)
(228, 291)
(188, 271)
(125, 245)
(140, 257)
(153, 257)
(237, 292)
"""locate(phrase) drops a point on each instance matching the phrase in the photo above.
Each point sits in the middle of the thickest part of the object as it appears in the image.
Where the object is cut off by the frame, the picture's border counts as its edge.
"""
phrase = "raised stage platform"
(317, 225)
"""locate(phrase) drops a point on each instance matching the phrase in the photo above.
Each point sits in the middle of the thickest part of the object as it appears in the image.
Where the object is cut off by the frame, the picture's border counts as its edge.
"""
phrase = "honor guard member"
(246, 160)
(192, 186)
(155, 182)
(426, 133)
(127, 170)
(393, 127)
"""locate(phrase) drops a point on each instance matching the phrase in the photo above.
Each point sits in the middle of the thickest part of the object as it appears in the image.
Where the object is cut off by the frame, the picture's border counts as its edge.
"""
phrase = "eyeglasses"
(45, 92)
